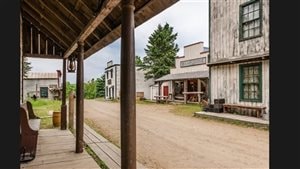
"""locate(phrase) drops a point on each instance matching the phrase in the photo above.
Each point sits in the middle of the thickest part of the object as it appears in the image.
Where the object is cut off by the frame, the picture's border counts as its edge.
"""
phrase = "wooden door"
(166, 90)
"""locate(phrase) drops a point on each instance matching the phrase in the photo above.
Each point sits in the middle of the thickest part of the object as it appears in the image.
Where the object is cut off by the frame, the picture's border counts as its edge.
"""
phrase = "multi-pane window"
(250, 82)
(44, 92)
(250, 19)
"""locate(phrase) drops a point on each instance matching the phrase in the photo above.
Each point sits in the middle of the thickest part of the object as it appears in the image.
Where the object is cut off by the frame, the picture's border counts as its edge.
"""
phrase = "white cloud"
(188, 17)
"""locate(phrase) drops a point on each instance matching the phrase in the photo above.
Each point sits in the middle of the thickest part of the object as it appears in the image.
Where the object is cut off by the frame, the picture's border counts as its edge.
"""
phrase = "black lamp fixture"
(71, 64)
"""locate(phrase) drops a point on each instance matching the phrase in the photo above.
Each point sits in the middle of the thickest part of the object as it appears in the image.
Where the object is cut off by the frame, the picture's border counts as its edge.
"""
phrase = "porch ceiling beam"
(46, 29)
(44, 56)
(104, 41)
(90, 12)
(108, 6)
(45, 21)
(117, 30)
(81, 25)
(60, 18)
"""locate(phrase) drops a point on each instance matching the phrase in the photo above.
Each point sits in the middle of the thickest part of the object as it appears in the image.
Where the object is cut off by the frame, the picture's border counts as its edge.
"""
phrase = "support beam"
(71, 110)
(128, 91)
(109, 5)
(159, 88)
(47, 29)
(115, 32)
(79, 100)
(44, 20)
(63, 122)
(38, 12)
(44, 56)
(91, 14)
(173, 90)
(80, 24)
(199, 90)
(185, 89)
(21, 58)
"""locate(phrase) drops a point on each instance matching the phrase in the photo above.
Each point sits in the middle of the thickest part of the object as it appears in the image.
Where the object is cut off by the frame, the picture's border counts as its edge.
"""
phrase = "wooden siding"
(225, 84)
(225, 45)
(224, 31)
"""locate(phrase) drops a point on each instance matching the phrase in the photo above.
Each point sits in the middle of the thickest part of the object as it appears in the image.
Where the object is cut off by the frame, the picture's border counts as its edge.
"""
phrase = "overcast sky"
(189, 18)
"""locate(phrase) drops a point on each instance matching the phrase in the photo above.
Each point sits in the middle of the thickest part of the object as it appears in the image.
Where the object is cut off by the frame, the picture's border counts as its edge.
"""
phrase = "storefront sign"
(192, 62)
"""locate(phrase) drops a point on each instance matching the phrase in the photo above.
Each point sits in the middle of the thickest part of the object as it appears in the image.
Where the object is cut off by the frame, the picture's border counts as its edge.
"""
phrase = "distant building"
(188, 81)
(43, 85)
(239, 53)
(112, 82)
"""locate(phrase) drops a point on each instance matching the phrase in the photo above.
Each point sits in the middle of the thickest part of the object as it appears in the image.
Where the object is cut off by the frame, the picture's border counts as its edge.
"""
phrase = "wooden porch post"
(21, 58)
(128, 91)
(79, 100)
(159, 88)
(71, 110)
(173, 90)
(199, 89)
(63, 122)
(185, 87)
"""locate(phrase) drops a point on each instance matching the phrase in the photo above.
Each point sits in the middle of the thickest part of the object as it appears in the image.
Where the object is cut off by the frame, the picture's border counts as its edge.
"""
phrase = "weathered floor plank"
(56, 149)
(106, 151)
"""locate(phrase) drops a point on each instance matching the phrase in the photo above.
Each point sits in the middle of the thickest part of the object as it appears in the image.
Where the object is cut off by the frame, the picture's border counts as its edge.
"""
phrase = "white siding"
(33, 85)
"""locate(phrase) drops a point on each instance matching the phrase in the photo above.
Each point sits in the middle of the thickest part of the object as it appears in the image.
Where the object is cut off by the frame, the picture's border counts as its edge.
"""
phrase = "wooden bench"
(29, 126)
(259, 109)
(160, 99)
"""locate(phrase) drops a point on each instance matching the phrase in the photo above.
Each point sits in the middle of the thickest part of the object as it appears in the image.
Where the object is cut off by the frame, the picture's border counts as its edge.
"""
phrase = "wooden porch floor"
(56, 149)
(106, 151)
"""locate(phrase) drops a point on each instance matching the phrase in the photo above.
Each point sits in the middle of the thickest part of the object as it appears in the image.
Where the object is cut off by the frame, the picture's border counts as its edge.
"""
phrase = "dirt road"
(166, 140)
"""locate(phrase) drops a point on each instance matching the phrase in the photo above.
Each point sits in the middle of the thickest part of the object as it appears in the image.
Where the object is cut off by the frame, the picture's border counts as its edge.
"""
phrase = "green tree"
(70, 87)
(100, 86)
(160, 52)
(90, 89)
(138, 61)
(26, 67)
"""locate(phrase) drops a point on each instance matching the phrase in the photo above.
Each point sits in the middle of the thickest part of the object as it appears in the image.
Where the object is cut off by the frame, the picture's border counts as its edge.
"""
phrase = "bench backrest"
(28, 108)
(30, 111)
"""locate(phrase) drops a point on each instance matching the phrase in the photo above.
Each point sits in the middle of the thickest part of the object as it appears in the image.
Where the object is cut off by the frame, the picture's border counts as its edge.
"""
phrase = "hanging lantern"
(71, 65)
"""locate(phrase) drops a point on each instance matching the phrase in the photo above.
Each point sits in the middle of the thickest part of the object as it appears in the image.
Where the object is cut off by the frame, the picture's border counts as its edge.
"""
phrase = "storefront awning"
(181, 76)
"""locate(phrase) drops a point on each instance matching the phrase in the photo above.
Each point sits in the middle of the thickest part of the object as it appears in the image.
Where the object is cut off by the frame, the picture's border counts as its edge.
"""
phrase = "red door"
(166, 90)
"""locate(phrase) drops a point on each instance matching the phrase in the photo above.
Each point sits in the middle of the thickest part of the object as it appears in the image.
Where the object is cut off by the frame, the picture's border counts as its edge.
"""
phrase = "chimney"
(58, 78)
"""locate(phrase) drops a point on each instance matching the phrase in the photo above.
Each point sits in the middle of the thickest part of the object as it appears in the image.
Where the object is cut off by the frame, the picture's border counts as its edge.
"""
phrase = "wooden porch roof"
(52, 29)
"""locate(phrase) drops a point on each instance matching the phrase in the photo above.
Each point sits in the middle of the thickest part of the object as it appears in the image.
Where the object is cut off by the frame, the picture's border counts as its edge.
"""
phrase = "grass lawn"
(178, 109)
(41, 108)
(186, 109)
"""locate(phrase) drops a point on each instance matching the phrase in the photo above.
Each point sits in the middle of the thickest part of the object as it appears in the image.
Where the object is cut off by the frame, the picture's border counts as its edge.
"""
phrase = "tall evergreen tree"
(160, 52)
(26, 67)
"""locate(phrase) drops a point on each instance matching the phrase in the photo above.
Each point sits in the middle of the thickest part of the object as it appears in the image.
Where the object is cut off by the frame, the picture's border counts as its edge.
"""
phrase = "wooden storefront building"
(239, 54)
(188, 81)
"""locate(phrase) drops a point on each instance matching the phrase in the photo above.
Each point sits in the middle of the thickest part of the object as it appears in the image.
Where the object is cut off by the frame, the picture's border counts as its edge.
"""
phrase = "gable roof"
(188, 75)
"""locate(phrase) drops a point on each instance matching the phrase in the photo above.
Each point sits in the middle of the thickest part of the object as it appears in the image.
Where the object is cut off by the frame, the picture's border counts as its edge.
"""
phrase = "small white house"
(42, 85)
(112, 82)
